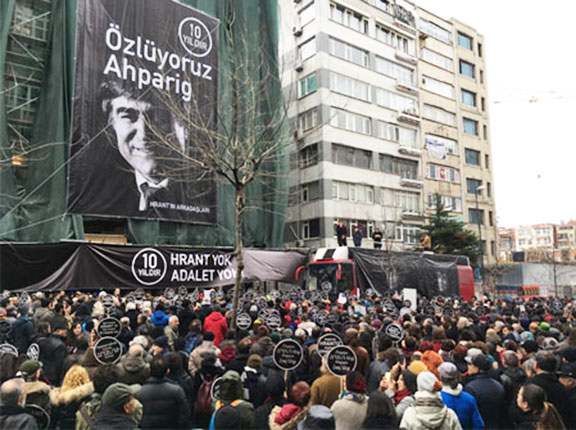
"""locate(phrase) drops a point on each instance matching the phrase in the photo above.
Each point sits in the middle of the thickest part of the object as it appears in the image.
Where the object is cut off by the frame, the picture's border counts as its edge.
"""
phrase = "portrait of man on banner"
(139, 89)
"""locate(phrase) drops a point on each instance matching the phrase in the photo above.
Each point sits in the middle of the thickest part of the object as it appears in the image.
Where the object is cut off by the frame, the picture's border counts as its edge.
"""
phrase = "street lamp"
(479, 189)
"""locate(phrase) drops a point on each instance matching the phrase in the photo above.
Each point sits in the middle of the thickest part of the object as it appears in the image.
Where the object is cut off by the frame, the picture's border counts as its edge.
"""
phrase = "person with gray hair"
(13, 416)
(133, 367)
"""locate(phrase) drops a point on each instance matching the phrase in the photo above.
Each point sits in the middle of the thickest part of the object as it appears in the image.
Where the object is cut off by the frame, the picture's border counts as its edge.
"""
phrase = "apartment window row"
(310, 191)
(307, 49)
(408, 234)
(353, 157)
(439, 147)
(307, 14)
(308, 120)
(443, 173)
(404, 75)
(404, 200)
(434, 113)
(310, 229)
(473, 184)
(437, 59)
(392, 38)
(468, 97)
(307, 85)
(351, 121)
(452, 204)
(438, 87)
(308, 156)
(352, 192)
(467, 69)
(350, 87)
(472, 157)
(348, 52)
(437, 32)
(476, 216)
(395, 133)
(395, 101)
(399, 166)
(348, 18)
(465, 41)
(385, 5)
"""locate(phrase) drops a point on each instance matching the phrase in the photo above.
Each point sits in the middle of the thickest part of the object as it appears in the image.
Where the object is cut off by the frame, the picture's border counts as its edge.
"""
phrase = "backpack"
(203, 404)
(220, 407)
(191, 344)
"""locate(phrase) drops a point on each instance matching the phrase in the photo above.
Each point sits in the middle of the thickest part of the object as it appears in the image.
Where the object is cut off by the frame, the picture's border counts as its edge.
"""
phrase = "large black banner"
(88, 266)
(144, 107)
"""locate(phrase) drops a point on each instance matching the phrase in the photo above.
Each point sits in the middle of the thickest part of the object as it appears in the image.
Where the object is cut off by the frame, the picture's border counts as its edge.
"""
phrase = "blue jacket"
(465, 406)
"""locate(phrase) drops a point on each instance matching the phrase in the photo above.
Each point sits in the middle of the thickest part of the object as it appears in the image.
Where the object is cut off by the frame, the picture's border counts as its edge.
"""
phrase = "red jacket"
(216, 323)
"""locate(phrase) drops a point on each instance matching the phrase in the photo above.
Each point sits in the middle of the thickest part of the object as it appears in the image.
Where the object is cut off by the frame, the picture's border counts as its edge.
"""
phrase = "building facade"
(389, 108)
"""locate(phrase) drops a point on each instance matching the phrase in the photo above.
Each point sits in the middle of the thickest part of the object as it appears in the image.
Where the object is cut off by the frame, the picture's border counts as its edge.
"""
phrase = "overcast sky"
(531, 53)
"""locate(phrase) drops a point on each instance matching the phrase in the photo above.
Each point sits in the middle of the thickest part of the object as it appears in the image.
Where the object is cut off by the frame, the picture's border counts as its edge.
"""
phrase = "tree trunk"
(238, 252)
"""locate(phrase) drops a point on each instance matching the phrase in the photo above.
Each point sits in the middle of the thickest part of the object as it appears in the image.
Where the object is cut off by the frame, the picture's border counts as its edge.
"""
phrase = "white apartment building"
(354, 79)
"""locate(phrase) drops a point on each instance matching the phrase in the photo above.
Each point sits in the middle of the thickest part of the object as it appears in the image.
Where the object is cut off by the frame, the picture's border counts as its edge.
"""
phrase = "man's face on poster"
(149, 139)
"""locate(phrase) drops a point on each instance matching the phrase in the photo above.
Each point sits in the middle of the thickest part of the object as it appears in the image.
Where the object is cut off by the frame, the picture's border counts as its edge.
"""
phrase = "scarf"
(355, 397)
(401, 394)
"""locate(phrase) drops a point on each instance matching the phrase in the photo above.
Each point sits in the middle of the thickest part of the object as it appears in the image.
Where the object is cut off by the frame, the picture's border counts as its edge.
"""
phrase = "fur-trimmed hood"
(59, 397)
(37, 387)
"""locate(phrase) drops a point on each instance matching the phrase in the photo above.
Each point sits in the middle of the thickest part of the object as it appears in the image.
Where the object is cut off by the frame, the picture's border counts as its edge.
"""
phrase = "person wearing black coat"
(546, 379)
(275, 388)
(12, 415)
(163, 402)
(53, 352)
(22, 330)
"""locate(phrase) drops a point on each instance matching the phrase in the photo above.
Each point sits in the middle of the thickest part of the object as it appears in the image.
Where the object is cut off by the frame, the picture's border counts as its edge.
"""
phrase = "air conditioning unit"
(297, 30)
(297, 1)
(299, 66)
(422, 36)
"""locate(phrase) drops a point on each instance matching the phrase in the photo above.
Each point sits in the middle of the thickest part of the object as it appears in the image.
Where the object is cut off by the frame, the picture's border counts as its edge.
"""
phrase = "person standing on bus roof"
(341, 233)
(357, 237)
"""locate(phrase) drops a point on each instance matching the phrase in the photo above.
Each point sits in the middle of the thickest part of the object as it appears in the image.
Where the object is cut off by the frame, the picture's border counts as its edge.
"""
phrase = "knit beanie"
(410, 381)
(355, 382)
(417, 367)
(428, 382)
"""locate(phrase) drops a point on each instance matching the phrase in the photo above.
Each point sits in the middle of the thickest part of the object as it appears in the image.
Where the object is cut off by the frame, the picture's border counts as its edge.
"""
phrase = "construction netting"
(37, 46)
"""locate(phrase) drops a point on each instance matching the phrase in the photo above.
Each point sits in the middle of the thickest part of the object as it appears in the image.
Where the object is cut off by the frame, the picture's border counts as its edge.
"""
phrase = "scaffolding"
(26, 55)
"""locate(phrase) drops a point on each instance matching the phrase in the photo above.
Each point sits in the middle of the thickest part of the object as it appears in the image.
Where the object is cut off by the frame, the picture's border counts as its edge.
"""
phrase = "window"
(350, 87)
(354, 192)
(491, 218)
(472, 185)
(311, 228)
(408, 201)
(307, 85)
(351, 156)
(481, 76)
(349, 18)
(483, 104)
(435, 31)
(479, 49)
(472, 157)
(391, 38)
(351, 121)
(493, 247)
(385, 5)
(30, 22)
(437, 114)
(437, 59)
(485, 131)
(438, 87)
(470, 127)
(308, 119)
(395, 133)
(408, 234)
(308, 156)
(443, 173)
(348, 52)
(307, 14)
(468, 98)
(404, 75)
(487, 161)
(467, 69)
(399, 166)
(439, 147)
(476, 216)
(310, 191)
(488, 189)
(307, 49)
(453, 204)
(394, 101)
(465, 41)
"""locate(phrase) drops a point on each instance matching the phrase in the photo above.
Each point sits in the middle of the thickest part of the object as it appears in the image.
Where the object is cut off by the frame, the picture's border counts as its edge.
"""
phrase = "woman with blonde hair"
(66, 400)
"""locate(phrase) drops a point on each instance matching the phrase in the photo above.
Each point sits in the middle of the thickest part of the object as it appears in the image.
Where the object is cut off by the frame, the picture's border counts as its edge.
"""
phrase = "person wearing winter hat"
(275, 390)
(461, 402)
(400, 387)
(289, 415)
(417, 367)
(428, 411)
(350, 409)
(160, 346)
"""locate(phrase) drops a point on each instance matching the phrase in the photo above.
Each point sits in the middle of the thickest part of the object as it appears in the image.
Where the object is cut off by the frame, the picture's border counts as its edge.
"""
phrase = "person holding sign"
(350, 410)
(326, 389)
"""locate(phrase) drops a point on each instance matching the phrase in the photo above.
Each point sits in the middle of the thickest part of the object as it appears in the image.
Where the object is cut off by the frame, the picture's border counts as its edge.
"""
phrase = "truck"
(355, 270)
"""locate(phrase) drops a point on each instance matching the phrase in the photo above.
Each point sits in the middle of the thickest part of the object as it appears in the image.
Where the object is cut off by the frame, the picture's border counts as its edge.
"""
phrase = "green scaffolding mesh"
(33, 197)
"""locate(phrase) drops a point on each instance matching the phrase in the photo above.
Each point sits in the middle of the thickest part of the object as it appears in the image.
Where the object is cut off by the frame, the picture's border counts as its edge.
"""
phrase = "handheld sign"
(109, 327)
(332, 318)
(273, 321)
(33, 352)
(275, 295)
(326, 286)
(5, 328)
(169, 293)
(182, 291)
(295, 294)
(288, 354)
(6, 348)
(140, 294)
(395, 331)
(108, 350)
(322, 317)
(243, 321)
(327, 342)
(261, 302)
(369, 292)
(215, 389)
(108, 303)
(341, 360)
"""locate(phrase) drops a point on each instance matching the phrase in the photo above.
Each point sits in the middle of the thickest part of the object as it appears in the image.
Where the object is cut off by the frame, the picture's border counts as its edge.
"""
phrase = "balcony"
(411, 215)
(405, 88)
(412, 151)
(402, 56)
(411, 182)
(409, 116)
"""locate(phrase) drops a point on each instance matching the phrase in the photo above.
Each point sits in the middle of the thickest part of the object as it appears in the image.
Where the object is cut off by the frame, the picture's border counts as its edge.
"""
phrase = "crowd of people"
(486, 364)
